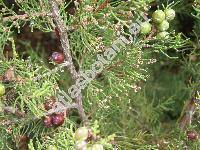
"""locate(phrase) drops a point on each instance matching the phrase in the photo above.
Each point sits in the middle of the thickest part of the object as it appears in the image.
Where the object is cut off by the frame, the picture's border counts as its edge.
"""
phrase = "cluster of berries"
(55, 119)
(161, 20)
(84, 135)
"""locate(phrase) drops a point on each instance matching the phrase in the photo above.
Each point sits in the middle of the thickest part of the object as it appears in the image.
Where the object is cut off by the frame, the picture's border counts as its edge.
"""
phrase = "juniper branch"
(22, 115)
(66, 49)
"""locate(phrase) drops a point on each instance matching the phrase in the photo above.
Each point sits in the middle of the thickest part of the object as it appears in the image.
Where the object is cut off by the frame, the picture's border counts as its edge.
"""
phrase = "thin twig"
(66, 49)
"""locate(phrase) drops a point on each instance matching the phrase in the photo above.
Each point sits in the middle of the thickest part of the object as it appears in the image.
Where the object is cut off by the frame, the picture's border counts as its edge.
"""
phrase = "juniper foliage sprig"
(113, 98)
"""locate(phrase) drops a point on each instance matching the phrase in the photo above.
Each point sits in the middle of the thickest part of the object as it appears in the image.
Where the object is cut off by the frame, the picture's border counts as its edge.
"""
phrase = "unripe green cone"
(163, 35)
(2, 89)
(81, 133)
(81, 145)
(170, 14)
(158, 16)
(97, 147)
(52, 147)
(163, 26)
(145, 28)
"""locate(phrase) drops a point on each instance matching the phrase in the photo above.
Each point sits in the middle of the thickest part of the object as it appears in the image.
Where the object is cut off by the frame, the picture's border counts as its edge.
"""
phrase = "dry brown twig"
(66, 49)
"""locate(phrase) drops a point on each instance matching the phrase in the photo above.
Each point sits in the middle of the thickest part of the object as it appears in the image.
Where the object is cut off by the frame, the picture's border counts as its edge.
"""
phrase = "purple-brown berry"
(58, 119)
(48, 121)
(192, 135)
(58, 57)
